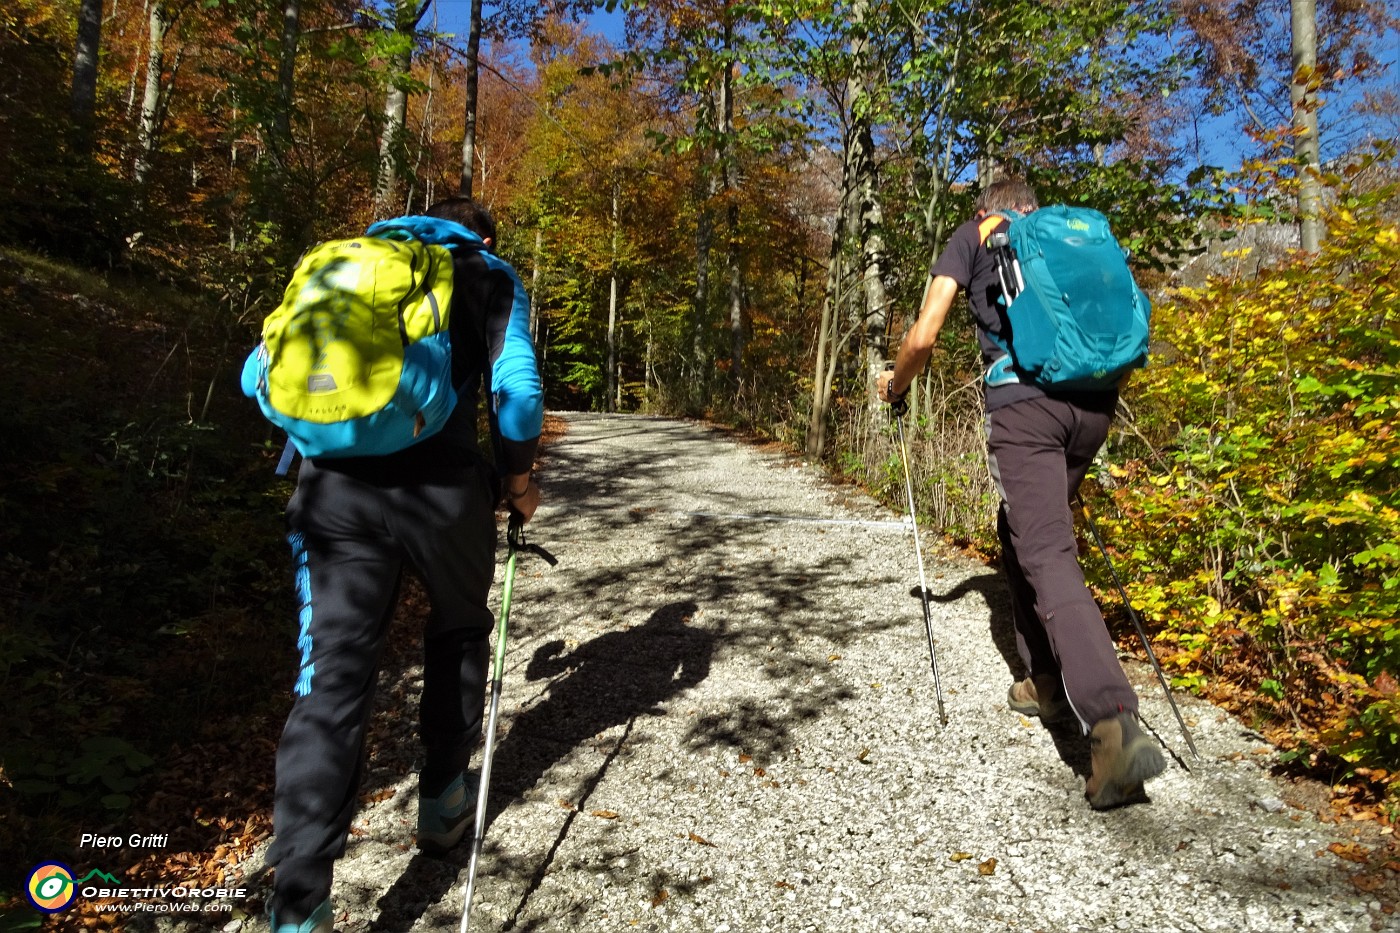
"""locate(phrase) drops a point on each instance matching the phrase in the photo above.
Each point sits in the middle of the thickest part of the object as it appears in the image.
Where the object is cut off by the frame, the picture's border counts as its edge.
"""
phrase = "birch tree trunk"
(535, 285)
(821, 371)
(406, 17)
(614, 388)
(149, 127)
(1306, 149)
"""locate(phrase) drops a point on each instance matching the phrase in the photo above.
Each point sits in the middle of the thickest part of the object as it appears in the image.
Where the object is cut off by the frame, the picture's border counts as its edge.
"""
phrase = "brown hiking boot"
(1123, 758)
(1038, 696)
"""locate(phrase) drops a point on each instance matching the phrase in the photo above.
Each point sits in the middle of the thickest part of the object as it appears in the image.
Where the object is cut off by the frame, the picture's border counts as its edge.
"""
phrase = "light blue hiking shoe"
(443, 820)
(320, 921)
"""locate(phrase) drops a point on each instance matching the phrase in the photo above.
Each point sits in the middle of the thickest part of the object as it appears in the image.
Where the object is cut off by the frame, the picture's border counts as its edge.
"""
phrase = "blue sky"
(1221, 141)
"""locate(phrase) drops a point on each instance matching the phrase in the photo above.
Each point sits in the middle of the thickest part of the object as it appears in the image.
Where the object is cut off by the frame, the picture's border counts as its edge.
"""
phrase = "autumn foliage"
(1258, 501)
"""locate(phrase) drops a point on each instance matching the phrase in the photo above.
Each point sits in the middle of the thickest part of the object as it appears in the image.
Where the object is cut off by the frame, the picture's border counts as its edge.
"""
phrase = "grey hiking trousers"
(352, 530)
(1039, 450)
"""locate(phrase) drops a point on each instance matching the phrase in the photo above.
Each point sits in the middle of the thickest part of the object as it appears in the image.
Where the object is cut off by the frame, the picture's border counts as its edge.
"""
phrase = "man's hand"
(522, 495)
(882, 389)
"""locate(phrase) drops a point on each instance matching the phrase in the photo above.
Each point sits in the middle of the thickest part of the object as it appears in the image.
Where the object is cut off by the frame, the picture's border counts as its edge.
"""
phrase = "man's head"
(468, 213)
(1009, 194)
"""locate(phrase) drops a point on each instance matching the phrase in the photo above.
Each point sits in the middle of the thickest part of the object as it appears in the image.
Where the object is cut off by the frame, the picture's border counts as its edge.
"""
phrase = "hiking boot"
(1123, 758)
(1038, 696)
(443, 820)
(320, 921)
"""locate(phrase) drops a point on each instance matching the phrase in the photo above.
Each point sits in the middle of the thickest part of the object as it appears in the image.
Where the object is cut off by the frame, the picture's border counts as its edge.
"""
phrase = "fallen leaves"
(1351, 851)
(984, 868)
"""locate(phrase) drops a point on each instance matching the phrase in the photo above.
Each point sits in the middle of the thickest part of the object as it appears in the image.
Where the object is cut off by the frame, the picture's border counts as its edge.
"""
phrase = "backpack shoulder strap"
(987, 225)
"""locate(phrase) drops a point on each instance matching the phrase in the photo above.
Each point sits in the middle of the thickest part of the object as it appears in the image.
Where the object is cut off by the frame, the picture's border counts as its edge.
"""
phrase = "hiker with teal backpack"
(1060, 324)
(393, 477)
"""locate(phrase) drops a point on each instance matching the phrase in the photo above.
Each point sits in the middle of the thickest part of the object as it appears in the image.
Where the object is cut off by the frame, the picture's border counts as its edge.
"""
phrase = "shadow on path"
(991, 586)
(606, 682)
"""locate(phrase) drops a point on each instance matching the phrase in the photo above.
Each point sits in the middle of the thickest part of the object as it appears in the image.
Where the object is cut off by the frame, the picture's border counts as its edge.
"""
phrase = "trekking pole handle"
(515, 535)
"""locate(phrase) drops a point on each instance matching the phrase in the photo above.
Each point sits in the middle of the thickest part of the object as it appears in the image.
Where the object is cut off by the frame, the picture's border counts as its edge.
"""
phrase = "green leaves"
(1274, 485)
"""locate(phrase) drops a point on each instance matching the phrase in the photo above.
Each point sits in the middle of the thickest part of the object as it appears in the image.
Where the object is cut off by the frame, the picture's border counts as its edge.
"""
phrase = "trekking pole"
(515, 535)
(1161, 677)
(924, 594)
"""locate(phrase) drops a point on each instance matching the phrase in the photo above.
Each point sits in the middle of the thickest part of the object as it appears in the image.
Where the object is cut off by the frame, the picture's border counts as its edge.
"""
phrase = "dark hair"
(468, 213)
(1009, 194)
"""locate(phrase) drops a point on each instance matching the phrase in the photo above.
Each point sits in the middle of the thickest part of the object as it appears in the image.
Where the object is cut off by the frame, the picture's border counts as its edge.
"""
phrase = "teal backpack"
(1075, 318)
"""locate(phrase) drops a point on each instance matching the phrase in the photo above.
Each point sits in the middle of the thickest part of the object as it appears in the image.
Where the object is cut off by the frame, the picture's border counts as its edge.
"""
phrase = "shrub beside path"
(719, 716)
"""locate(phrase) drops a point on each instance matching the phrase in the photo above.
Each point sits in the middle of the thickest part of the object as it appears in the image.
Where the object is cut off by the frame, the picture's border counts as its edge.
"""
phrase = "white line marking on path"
(794, 519)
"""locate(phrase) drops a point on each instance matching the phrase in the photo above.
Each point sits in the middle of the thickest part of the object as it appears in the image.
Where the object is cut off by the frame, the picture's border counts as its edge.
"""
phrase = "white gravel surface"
(719, 715)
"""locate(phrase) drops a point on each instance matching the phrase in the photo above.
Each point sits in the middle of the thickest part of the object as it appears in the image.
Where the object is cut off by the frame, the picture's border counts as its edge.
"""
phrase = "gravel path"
(719, 716)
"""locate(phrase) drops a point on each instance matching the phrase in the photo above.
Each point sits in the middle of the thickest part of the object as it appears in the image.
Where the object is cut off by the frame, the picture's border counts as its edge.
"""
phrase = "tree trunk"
(286, 77)
(614, 389)
(821, 381)
(869, 217)
(84, 89)
(535, 285)
(730, 185)
(387, 178)
(149, 128)
(406, 17)
(704, 242)
(469, 121)
(1306, 150)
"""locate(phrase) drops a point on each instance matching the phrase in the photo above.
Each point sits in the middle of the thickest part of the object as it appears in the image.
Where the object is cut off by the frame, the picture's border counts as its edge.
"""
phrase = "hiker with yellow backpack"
(1061, 324)
(375, 364)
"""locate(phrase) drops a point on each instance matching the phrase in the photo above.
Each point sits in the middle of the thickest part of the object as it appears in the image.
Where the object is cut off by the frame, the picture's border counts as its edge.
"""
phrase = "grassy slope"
(144, 655)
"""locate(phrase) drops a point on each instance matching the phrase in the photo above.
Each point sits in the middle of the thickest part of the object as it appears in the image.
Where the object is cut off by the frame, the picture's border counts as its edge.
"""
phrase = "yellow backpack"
(356, 360)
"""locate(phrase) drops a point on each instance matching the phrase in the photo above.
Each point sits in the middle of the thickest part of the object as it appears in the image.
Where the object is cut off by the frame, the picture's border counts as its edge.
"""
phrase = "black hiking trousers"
(352, 530)
(1040, 450)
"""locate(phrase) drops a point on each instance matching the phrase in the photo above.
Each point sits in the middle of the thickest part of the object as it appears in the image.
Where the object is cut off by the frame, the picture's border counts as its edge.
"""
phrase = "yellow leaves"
(984, 868)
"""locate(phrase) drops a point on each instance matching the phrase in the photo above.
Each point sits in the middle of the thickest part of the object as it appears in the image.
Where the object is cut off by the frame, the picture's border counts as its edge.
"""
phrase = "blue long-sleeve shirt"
(489, 323)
